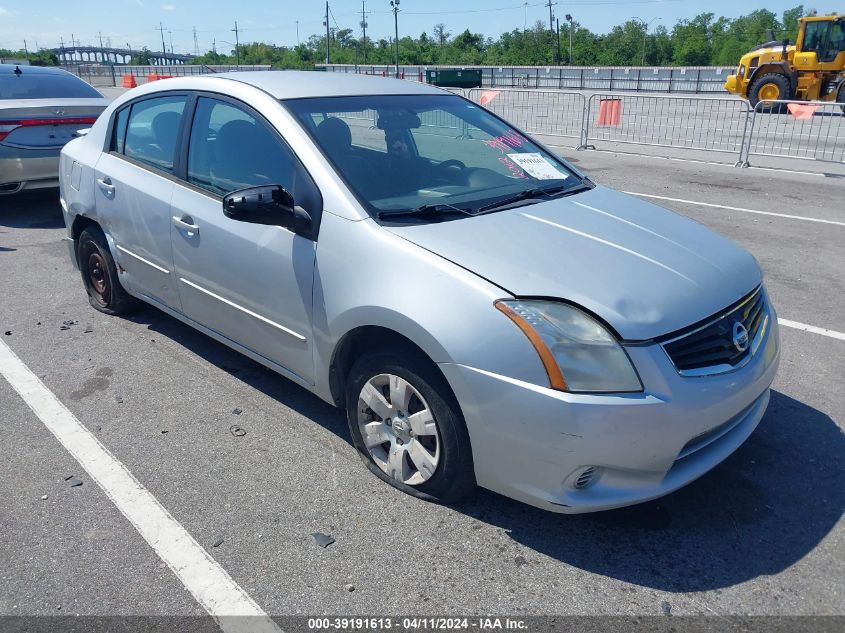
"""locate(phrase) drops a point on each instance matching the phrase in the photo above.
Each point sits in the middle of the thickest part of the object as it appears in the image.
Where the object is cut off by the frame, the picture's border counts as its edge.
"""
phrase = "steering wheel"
(446, 164)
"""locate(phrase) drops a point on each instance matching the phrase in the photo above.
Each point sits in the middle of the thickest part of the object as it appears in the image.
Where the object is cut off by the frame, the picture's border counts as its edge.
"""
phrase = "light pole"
(395, 5)
(569, 19)
(237, 44)
(645, 26)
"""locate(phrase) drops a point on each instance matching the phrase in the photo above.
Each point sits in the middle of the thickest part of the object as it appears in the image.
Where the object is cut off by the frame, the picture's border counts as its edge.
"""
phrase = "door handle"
(106, 186)
(185, 223)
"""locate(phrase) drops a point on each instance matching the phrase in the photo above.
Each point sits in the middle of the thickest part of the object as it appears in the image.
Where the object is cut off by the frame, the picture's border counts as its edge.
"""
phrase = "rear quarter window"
(29, 85)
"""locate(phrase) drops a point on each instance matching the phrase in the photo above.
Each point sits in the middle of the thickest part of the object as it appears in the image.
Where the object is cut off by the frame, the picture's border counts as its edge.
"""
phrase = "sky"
(44, 23)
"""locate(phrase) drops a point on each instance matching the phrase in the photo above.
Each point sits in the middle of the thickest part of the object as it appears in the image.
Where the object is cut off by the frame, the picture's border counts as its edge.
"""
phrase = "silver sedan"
(41, 109)
(485, 313)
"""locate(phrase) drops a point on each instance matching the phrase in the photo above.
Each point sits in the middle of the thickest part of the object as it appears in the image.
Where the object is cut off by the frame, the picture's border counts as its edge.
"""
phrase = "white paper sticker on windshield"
(537, 166)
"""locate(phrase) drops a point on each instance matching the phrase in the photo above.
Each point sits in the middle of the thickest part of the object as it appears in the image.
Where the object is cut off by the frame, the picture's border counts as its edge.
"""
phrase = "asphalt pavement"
(762, 534)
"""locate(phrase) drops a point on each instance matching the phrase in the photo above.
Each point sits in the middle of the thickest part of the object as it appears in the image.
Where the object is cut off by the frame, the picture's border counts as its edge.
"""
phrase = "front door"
(133, 191)
(250, 283)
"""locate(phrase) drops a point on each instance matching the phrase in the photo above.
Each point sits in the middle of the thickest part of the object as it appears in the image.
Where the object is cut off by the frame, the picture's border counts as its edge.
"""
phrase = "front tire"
(770, 87)
(407, 426)
(99, 274)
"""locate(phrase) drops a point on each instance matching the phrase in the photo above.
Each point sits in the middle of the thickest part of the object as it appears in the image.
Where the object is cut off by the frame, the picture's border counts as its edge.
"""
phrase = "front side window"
(230, 149)
(405, 152)
(826, 39)
(152, 131)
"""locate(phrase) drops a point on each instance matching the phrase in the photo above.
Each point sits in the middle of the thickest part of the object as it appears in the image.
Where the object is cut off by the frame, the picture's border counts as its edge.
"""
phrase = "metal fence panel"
(797, 129)
(110, 75)
(551, 112)
(693, 79)
(702, 123)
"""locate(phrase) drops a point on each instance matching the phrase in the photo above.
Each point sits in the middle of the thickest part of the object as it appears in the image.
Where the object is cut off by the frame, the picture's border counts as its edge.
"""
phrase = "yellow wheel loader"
(811, 69)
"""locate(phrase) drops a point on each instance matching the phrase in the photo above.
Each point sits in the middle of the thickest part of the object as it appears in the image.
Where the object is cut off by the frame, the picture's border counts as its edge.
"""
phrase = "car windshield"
(411, 152)
(32, 85)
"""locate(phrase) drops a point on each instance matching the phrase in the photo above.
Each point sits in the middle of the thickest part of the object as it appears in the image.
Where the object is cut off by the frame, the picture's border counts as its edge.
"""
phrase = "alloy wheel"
(398, 429)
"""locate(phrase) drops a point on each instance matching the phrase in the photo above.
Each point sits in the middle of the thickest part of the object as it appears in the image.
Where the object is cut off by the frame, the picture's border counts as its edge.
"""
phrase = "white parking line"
(742, 209)
(207, 581)
(812, 328)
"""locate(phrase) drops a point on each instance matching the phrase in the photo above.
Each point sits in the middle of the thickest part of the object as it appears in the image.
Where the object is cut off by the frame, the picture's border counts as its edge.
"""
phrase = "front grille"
(710, 348)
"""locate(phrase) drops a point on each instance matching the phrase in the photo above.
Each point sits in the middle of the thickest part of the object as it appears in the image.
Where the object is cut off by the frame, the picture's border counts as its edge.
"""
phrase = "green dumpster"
(466, 78)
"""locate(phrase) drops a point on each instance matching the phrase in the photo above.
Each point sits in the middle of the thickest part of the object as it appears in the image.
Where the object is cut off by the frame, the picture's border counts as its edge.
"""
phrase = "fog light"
(584, 477)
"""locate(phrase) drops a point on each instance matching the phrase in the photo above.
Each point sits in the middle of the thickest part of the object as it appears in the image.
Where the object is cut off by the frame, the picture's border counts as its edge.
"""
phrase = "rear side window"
(230, 149)
(153, 129)
(35, 85)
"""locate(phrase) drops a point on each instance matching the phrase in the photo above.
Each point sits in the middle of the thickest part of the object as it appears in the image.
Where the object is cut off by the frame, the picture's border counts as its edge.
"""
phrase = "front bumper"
(531, 443)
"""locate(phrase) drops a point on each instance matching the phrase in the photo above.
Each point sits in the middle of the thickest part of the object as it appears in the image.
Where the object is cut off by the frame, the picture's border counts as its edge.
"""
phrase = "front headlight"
(579, 354)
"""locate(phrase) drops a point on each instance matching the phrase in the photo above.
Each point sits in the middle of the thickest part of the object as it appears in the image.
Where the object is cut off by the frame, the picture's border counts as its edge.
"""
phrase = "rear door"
(134, 186)
(250, 283)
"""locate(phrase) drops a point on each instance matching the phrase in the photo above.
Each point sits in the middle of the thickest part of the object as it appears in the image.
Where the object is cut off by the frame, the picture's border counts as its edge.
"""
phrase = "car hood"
(645, 270)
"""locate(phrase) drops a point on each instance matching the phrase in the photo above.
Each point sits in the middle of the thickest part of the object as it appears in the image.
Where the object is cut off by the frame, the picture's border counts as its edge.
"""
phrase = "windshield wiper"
(536, 192)
(425, 210)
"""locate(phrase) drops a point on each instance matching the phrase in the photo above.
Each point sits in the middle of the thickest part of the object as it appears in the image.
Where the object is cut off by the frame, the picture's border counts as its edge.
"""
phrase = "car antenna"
(18, 71)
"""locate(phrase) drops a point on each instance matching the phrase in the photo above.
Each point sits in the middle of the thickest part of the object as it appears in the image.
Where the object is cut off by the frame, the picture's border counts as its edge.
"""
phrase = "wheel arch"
(365, 338)
(781, 68)
(80, 223)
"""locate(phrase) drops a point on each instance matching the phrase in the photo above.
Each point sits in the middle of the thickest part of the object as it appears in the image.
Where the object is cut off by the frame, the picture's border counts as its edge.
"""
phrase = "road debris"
(349, 588)
(666, 608)
(237, 411)
(8, 332)
(323, 540)
(74, 481)
(66, 325)
(44, 497)
(237, 431)
(218, 542)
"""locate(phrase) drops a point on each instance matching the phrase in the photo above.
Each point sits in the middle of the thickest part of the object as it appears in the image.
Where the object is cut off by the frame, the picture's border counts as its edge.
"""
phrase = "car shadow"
(38, 209)
(246, 370)
(762, 510)
(759, 512)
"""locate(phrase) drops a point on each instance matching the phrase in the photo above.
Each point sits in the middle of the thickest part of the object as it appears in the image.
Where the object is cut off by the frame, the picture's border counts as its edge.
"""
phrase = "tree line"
(704, 40)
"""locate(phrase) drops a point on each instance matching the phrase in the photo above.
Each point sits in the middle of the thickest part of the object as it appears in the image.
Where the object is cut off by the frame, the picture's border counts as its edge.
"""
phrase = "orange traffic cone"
(153, 77)
(129, 81)
(610, 112)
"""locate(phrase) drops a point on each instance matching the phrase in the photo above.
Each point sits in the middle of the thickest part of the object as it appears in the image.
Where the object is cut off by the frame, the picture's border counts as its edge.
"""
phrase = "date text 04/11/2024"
(416, 624)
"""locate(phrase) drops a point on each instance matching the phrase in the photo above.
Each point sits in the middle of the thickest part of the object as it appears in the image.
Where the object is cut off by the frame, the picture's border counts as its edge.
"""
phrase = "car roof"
(297, 84)
(8, 69)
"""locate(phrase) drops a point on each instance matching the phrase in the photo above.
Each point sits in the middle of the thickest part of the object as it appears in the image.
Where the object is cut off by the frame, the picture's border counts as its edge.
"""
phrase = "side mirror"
(267, 204)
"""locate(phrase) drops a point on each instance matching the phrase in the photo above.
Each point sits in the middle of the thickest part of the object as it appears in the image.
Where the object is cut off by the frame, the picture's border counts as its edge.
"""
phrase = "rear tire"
(99, 275)
(771, 86)
(432, 463)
